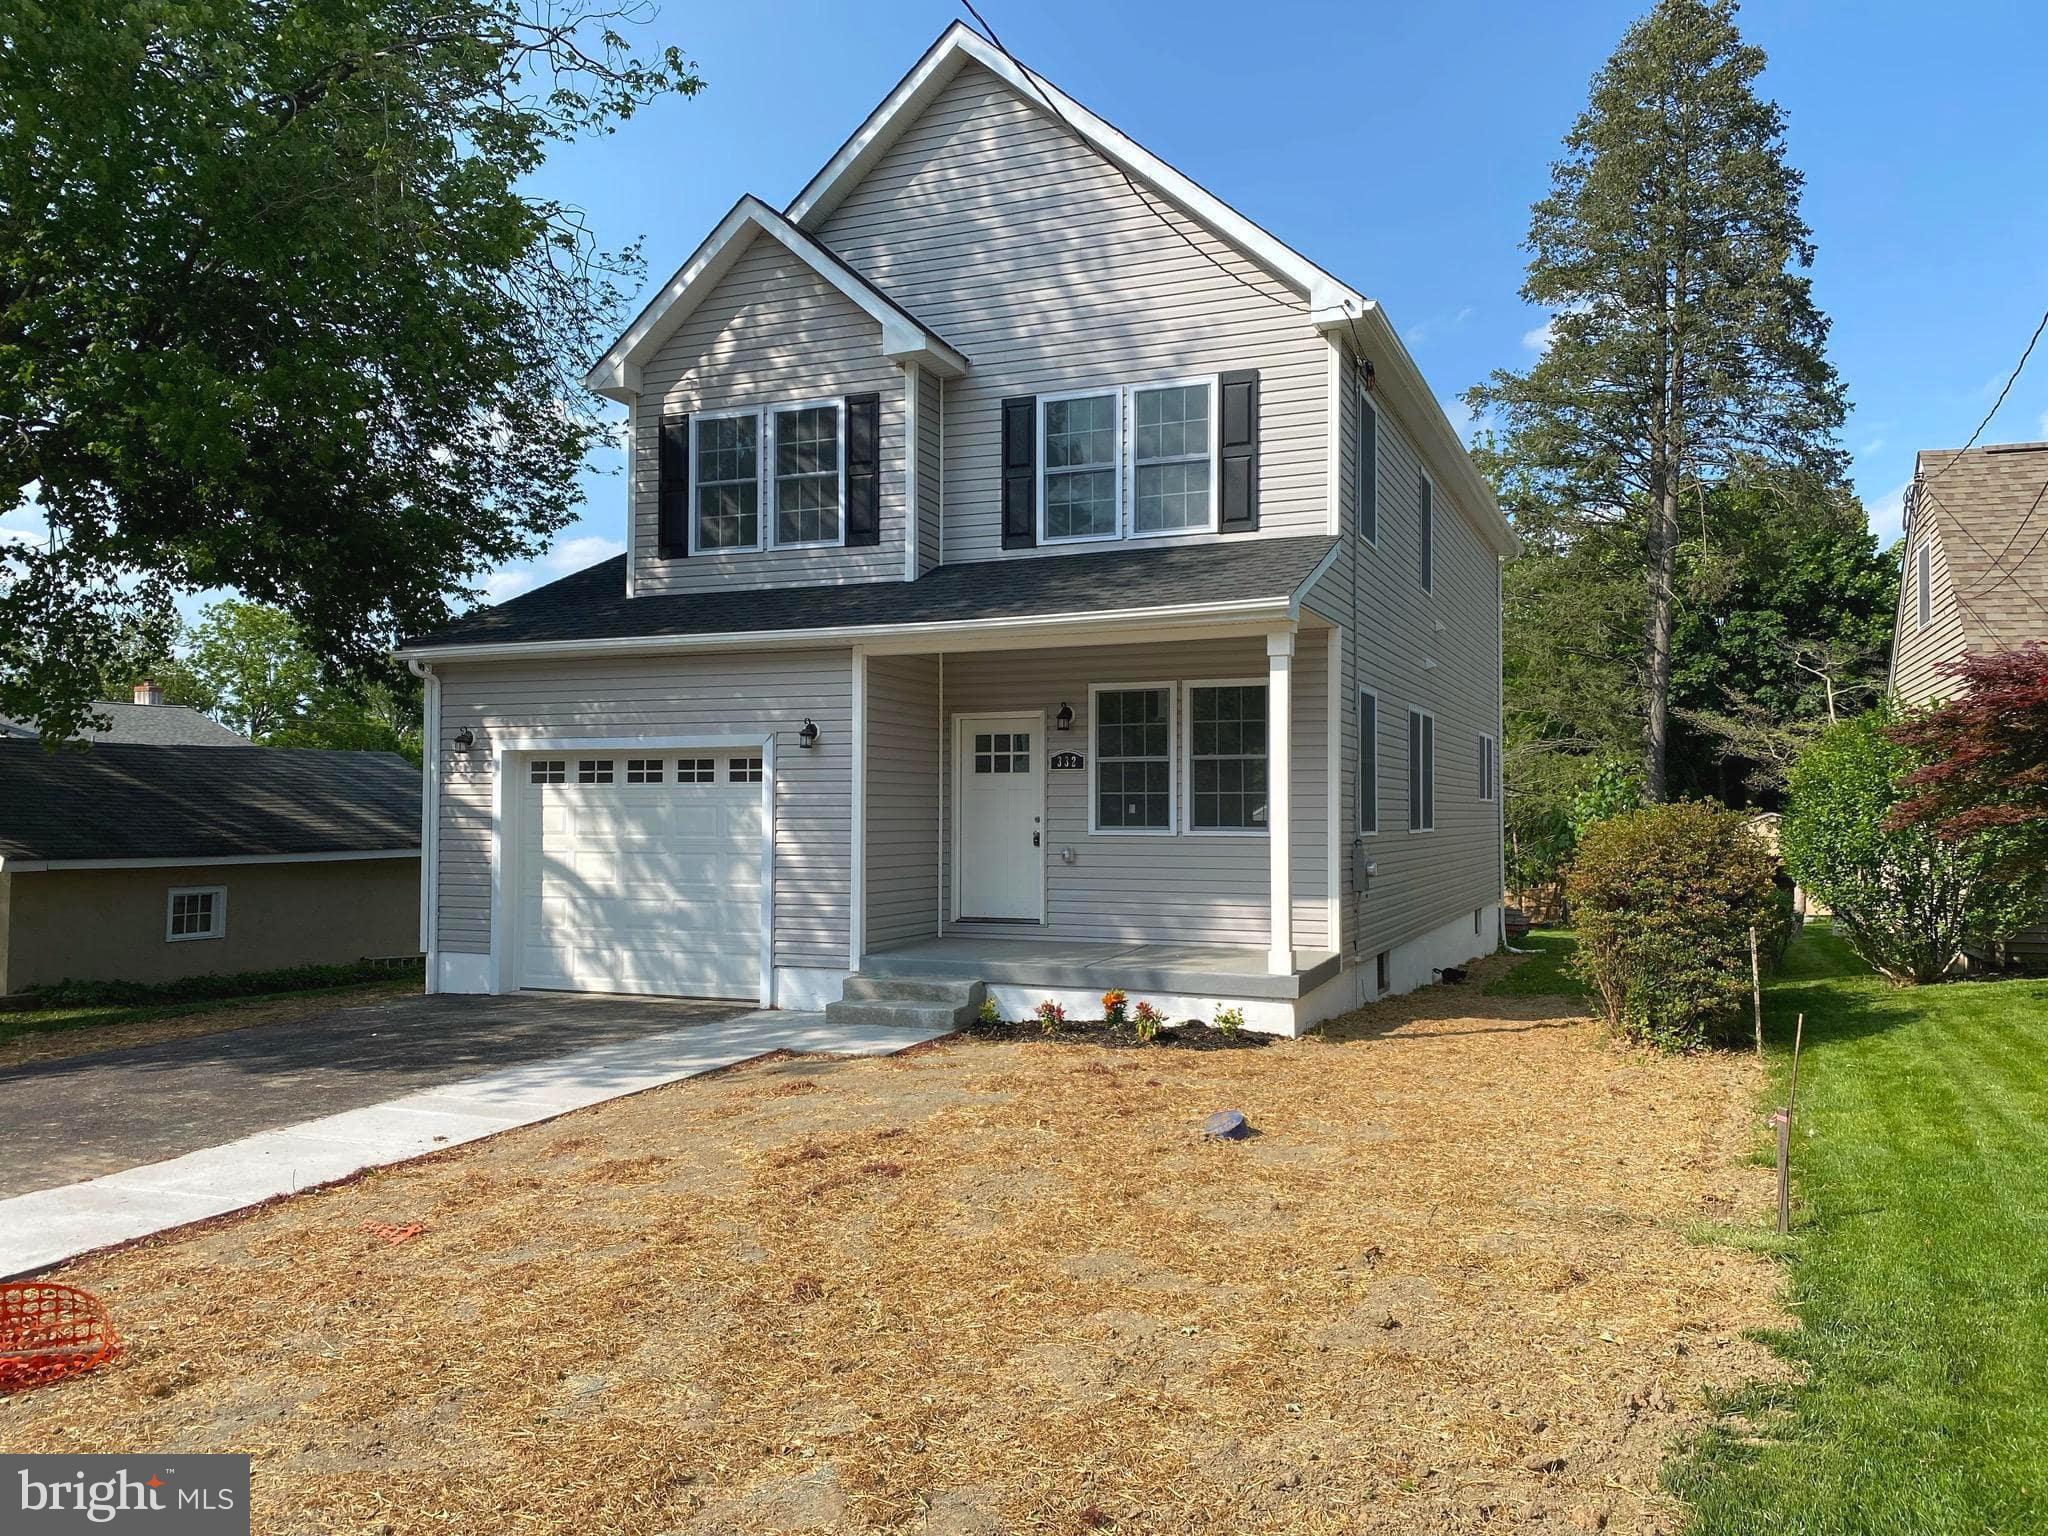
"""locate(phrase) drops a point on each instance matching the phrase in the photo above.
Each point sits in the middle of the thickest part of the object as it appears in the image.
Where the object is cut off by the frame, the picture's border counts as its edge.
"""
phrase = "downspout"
(430, 820)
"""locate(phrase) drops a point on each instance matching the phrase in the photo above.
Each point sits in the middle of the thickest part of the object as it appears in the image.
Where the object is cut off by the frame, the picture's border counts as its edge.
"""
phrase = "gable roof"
(1990, 508)
(905, 338)
(155, 725)
(117, 802)
(590, 609)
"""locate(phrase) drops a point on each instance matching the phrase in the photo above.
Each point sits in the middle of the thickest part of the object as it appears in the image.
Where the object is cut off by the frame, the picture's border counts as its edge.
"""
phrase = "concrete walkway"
(49, 1226)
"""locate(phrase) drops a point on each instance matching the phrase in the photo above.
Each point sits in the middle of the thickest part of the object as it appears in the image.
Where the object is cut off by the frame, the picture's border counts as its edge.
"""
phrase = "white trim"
(1333, 461)
(1115, 466)
(1333, 777)
(504, 834)
(911, 476)
(1129, 524)
(207, 861)
(857, 904)
(218, 915)
(1280, 801)
(1368, 751)
(1187, 747)
(903, 338)
(1039, 755)
(943, 809)
(1172, 827)
(770, 507)
(430, 822)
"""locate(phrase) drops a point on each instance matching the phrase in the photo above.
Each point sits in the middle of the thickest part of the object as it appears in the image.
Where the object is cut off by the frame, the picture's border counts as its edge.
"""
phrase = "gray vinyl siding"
(1189, 888)
(772, 332)
(903, 772)
(931, 462)
(1918, 652)
(1030, 254)
(727, 694)
(1424, 879)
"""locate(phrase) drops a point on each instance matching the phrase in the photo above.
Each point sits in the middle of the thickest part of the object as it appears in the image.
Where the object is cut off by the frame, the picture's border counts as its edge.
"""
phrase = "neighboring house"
(149, 721)
(125, 862)
(1020, 541)
(1975, 581)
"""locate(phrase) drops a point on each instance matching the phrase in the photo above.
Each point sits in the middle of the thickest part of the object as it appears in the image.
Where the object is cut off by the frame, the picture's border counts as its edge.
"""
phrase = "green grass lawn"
(1545, 975)
(1918, 1267)
(88, 1006)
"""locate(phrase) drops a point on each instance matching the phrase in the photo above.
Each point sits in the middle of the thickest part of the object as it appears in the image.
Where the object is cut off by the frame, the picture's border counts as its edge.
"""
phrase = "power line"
(1963, 598)
(2010, 381)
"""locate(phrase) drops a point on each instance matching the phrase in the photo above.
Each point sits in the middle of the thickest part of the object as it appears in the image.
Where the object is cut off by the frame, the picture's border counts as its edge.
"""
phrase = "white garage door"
(642, 874)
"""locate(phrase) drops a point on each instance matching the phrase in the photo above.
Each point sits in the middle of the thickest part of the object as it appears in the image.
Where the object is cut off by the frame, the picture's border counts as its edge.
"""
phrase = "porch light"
(1064, 720)
(465, 740)
(808, 736)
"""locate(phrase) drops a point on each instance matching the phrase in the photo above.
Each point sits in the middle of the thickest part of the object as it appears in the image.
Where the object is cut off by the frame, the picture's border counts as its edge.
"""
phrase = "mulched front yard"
(992, 1286)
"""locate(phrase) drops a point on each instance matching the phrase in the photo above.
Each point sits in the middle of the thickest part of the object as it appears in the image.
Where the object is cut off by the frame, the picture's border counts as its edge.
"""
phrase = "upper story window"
(727, 465)
(1173, 469)
(807, 475)
(1368, 469)
(793, 458)
(1925, 574)
(1083, 480)
(1425, 499)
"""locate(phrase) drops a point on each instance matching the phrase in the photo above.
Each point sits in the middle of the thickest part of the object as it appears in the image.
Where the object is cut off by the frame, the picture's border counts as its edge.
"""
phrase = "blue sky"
(1400, 146)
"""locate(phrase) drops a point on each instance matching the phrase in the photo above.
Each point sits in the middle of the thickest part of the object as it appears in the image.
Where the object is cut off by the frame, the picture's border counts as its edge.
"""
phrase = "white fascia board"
(180, 861)
(617, 375)
(1415, 403)
(960, 44)
(1033, 631)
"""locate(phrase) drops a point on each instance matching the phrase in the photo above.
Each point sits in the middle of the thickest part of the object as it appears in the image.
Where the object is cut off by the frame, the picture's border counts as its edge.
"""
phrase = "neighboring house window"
(550, 770)
(1133, 784)
(196, 912)
(1425, 496)
(1421, 771)
(696, 770)
(1080, 474)
(1368, 468)
(1226, 757)
(808, 479)
(744, 770)
(1368, 761)
(594, 770)
(643, 770)
(727, 471)
(1926, 585)
(1486, 767)
(1173, 471)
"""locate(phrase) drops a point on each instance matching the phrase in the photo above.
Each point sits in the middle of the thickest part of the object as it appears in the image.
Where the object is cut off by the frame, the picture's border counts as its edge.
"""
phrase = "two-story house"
(1038, 573)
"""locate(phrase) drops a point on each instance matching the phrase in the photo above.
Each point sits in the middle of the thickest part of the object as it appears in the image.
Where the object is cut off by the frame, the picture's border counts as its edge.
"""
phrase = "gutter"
(430, 820)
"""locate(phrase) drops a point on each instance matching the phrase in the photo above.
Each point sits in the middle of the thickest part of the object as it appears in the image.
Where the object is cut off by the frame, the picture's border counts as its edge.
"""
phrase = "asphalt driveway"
(85, 1116)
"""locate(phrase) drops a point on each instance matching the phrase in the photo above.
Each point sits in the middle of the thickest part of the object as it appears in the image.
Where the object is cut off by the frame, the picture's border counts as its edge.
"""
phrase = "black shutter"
(863, 470)
(1020, 472)
(1239, 451)
(674, 494)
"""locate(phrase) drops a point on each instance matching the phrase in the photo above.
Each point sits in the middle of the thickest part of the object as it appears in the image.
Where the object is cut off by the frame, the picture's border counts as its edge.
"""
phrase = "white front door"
(999, 816)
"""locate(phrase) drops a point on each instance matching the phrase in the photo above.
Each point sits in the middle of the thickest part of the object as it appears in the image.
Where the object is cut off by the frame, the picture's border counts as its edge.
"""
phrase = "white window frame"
(1923, 575)
(1489, 765)
(1368, 754)
(1365, 408)
(761, 454)
(770, 435)
(219, 930)
(1187, 750)
(1129, 448)
(1172, 692)
(1421, 807)
(1115, 465)
(1425, 529)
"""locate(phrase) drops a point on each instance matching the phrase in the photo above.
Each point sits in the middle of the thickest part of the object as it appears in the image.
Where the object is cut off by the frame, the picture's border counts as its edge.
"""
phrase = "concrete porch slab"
(1226, 970)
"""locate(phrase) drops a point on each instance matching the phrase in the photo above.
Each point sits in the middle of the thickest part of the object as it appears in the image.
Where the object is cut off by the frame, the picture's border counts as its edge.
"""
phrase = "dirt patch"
(90, 1039)
(991, 1287)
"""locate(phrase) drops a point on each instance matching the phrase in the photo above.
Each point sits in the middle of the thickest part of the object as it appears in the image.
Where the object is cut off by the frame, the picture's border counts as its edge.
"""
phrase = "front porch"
(1221, 970)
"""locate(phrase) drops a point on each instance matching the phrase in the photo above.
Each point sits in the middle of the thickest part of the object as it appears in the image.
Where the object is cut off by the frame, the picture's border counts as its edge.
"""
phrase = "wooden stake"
(1756, 992)
(1783, 1122)
(1792, 1090)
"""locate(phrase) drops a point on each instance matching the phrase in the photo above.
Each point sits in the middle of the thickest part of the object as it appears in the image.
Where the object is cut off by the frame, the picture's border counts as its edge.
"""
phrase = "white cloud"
(1887, 514)
(1871, 447)
(2042, 431)
(1422, 330)
(1539, 340)
(568, 556)
(1464, 420)
(24, 525)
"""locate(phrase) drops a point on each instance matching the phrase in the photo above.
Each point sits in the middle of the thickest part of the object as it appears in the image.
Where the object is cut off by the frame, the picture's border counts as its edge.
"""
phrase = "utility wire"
(2010, 381)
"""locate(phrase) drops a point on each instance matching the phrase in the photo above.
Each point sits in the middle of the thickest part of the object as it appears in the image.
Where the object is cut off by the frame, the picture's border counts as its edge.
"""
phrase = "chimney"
(147, 692)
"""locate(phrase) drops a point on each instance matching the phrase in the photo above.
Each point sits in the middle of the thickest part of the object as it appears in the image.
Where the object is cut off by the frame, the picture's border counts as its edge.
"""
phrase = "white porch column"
(1280, 797)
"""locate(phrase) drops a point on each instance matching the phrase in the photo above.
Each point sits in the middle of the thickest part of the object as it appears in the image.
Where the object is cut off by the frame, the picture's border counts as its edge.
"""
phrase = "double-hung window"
(1081, 465)
(727, 467)
(1172, 464)
(809, 460)
(1227, 757)
(1133, 789)
(1421, 771)
(1368, 762)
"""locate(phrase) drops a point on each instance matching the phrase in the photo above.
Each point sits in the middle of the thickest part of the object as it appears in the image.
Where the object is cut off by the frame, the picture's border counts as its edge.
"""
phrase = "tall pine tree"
(1686, 351)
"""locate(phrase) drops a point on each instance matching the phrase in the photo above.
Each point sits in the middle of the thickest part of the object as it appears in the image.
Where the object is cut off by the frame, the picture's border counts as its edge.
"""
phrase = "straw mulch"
(990, 1287)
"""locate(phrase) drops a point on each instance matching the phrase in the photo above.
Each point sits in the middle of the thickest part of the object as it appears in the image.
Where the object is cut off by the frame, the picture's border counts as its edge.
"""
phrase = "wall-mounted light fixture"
(465, 740)
(808, 736)
(1064, 720)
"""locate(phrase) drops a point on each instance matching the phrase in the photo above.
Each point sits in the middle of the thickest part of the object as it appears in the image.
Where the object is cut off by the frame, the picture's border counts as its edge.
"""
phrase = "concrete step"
(953, 990)
(900, 1015)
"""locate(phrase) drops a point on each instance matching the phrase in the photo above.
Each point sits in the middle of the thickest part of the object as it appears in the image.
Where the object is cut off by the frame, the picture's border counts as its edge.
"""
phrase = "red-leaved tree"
(1986, 758)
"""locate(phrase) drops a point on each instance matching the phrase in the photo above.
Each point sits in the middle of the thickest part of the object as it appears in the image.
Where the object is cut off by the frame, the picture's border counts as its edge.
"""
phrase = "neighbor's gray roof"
(125, 801)
(156, 725)
(592, 604)
(1991, 506)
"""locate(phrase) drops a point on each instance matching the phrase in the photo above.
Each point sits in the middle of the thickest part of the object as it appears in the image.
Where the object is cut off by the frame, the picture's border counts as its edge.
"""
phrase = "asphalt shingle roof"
(1991, 505)
(156, 725)
(592, 604)
(117, 800)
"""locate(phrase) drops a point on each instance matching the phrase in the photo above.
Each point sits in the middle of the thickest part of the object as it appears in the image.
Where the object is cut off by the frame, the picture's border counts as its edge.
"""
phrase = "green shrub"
(988, 1013)
(1664, 899)
(1904, 899)
(199, 989)
(1230, 1020)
